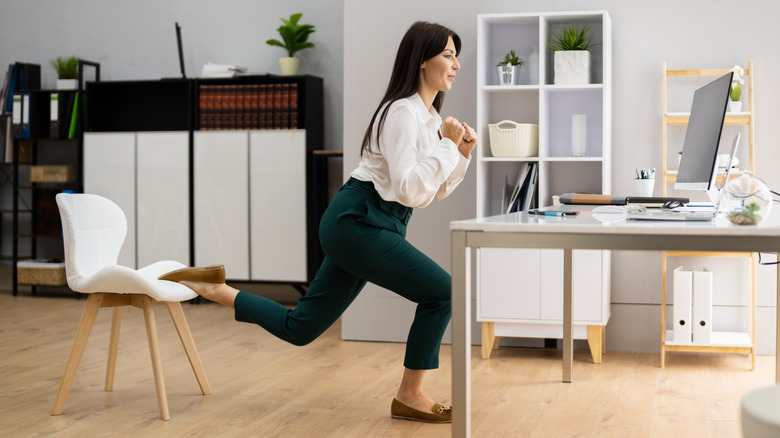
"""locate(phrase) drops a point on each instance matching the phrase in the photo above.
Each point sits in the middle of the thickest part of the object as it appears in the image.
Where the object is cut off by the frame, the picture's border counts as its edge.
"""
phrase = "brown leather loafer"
(207, 274)
(438, 414)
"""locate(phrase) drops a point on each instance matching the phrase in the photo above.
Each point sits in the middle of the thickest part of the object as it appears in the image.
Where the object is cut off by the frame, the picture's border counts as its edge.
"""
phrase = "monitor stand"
(715, 194)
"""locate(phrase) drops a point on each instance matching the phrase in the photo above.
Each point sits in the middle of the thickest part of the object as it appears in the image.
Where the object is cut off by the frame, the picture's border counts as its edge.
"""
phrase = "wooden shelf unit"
(722, 342)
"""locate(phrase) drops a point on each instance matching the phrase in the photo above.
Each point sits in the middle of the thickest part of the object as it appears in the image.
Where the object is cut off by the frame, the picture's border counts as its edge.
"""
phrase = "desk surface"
(612, 224)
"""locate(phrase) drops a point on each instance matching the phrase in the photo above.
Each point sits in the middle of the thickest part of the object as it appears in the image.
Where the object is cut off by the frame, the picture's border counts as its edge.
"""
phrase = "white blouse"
(412, 166)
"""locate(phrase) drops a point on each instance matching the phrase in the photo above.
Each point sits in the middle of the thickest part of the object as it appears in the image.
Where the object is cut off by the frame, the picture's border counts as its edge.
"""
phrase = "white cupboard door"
(277, 175)
(587, 285)
(508, 284)
(221, 198)
(109, 171)
(163, 202)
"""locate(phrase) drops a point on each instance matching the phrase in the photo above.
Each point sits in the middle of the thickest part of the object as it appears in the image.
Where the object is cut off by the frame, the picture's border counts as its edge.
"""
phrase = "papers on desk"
(214, 70)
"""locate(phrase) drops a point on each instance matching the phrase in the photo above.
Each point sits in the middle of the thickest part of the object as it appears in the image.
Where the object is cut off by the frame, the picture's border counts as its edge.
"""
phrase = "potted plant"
(507, 68)
(572, 56)
(67, 69)
(295, 38)
(735, 105)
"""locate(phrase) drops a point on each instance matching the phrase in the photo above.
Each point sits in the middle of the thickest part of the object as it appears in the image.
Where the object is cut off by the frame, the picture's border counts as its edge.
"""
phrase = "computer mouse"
(610, 209)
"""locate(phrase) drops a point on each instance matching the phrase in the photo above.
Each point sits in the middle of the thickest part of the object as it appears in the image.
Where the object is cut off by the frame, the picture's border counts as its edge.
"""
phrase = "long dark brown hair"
(421, 42)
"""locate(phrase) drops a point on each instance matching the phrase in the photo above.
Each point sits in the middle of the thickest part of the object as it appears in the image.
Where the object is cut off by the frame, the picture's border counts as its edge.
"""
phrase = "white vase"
(533, 67)
(735, 107)
(67, 84)
(578, 135)
(289, 66)
(572, 67)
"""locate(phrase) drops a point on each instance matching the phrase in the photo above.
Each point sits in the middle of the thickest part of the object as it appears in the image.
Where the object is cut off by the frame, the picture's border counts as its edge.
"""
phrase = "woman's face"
(438, 73)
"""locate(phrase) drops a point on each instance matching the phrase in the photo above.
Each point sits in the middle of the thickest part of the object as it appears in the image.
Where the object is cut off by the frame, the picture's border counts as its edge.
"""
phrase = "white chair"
(94, 230)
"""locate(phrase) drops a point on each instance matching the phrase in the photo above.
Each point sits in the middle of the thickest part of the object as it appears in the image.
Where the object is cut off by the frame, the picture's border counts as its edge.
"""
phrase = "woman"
(409, 157)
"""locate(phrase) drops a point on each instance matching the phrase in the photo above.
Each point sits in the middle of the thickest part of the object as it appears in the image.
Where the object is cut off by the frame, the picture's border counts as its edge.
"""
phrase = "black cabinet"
(243, 103)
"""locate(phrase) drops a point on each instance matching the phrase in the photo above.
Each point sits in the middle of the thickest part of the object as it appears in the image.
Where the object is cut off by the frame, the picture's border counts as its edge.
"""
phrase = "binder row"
(692, 308)
(249, 106)
(44, 114)
(21, 76)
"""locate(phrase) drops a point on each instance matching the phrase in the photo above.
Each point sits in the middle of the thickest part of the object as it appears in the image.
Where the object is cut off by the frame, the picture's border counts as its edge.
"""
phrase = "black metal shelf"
(44, 220)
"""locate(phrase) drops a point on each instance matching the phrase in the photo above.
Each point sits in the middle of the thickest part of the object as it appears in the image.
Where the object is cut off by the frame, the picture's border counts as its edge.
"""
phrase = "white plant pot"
(289, 66)
(67, 84)
(735, 107)
(572, 67)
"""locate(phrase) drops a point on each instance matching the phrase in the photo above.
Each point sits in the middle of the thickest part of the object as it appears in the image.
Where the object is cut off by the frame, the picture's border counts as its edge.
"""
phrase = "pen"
(554, 213)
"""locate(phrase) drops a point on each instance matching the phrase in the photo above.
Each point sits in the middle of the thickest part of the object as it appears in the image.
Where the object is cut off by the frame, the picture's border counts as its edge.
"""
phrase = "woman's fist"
(453, 129)
(468, 142)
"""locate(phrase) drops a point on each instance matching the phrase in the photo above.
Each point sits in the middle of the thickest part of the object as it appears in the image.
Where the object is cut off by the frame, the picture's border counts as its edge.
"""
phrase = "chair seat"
(123, 280)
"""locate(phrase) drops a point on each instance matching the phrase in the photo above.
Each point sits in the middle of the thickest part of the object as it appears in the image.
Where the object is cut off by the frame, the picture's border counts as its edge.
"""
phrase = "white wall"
(693, 34)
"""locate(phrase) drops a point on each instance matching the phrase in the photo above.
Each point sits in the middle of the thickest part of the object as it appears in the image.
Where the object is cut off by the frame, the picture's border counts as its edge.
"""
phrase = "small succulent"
(511, 59)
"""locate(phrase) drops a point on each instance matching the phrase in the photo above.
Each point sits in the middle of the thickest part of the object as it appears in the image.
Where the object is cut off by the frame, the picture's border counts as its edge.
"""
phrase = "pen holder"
(644, 187)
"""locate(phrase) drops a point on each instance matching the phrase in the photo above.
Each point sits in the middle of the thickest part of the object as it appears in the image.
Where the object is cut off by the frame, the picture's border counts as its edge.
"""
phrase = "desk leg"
(461, 336)
(777, 326)
(568, 342)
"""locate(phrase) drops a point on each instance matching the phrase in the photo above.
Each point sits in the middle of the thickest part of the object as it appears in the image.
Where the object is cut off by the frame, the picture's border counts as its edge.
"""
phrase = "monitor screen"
(698, 165)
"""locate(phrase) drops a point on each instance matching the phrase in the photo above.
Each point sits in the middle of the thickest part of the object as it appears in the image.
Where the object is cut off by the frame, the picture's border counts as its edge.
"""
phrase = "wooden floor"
(331, 388)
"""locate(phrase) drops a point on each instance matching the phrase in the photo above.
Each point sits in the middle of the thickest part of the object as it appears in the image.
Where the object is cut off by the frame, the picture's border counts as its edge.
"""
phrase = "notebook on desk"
(674, 215)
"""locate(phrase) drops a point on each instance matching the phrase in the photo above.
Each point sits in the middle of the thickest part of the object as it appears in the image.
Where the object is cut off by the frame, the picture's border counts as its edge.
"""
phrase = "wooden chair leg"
(82, 335)
(146, 304)
(180, 322)
(113, 347)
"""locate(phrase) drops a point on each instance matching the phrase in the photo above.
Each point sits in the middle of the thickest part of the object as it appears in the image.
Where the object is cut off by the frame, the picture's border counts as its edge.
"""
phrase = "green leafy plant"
(294, 35)
(748, 216)
(572, 39)
(511, 59)
(66, 67)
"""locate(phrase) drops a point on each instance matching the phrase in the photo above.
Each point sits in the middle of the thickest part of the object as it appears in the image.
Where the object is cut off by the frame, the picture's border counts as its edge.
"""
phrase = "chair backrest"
(93, 231)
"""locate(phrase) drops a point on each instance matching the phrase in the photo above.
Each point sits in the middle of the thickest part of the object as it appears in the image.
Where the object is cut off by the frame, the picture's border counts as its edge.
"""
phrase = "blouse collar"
(425, 115)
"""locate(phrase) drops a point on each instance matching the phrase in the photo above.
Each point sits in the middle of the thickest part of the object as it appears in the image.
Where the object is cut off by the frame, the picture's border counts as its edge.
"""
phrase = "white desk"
(518, 230)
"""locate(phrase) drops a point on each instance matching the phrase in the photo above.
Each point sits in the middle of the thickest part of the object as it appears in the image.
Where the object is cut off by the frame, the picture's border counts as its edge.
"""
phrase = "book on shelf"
(73, 117)
(521, 195)
(6, 141)
(35, 115)
(248, 106)
(21, 76)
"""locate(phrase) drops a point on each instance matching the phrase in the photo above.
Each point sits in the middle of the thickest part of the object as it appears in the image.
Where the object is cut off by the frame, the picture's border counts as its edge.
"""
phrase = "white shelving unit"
(504, 296)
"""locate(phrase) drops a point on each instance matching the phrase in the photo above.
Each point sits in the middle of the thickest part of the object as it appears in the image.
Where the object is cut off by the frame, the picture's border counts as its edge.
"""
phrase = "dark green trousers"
(363, 237)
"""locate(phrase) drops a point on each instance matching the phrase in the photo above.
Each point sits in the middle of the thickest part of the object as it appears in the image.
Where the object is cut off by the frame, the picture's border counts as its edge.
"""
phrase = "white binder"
(702, 307)
(681, 312)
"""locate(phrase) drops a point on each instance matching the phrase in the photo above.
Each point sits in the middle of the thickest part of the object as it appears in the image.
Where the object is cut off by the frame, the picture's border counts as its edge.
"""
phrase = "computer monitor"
(699, 163)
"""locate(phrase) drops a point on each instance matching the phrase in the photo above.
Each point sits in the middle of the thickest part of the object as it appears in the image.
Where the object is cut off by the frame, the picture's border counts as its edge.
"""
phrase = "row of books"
(521, 196)
(248, 106)
(20, 76)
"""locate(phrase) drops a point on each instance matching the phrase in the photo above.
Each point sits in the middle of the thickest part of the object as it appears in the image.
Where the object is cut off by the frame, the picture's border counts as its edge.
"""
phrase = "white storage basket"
(511, 139)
